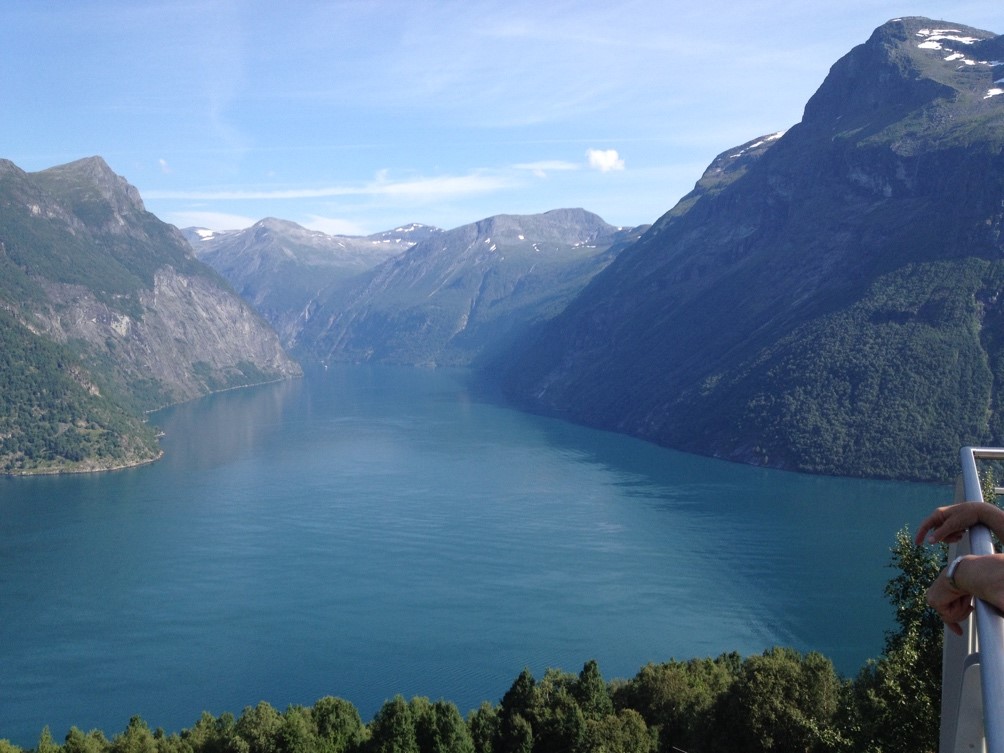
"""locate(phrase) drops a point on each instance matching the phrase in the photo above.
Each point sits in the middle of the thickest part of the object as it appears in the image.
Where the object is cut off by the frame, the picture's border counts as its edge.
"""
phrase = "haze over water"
(368, 531)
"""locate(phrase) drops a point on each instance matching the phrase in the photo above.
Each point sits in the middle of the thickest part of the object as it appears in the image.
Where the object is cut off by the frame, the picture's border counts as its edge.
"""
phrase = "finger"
(930, 523)
(929, 534)
(921, 536)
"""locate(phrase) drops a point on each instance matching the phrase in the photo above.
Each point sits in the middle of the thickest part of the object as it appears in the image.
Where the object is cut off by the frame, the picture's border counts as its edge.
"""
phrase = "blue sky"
(355, 117)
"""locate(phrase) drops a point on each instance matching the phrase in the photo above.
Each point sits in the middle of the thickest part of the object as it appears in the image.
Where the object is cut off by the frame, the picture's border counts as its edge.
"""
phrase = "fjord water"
(368, 531)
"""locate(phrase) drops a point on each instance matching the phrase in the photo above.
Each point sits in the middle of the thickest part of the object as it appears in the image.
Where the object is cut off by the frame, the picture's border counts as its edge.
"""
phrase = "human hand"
(951, 604)
(948, 523)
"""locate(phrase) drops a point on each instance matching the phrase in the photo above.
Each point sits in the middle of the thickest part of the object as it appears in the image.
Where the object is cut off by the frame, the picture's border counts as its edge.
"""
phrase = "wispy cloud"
(446, 186)
(604, 160)
(211, 220)
(334, 226)
(542, 167)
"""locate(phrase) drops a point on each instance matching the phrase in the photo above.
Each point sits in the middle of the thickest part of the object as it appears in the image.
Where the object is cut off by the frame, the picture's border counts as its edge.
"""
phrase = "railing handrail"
(986, 647)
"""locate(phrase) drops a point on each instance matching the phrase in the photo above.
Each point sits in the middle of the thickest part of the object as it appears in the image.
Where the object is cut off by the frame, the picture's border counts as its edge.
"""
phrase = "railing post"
(956, 651)
(972, 701)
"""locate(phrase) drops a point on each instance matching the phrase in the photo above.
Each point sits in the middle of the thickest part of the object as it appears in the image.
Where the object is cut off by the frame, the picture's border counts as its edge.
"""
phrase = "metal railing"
(972, 675)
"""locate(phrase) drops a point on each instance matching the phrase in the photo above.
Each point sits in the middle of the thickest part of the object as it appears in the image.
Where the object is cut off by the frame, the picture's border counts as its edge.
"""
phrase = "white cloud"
(334, 226)
(164, 167)
(211, 220)
(604, 160)
(447, 186)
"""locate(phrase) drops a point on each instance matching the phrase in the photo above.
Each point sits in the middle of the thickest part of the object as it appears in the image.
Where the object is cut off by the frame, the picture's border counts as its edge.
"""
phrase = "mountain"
(464, 293)
(105, 313)
(825, 300)
(281, 267)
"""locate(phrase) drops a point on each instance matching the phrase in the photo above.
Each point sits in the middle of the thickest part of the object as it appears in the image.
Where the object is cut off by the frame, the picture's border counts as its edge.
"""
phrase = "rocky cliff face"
(825, 300)
(191, 337)
(132, 314)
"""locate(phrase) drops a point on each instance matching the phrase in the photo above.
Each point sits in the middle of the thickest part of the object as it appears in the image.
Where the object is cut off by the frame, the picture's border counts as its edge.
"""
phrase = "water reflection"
(228, 424)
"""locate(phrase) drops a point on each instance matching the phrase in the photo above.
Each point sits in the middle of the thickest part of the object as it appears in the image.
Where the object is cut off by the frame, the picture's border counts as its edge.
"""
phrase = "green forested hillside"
(890, 385)
(69, 206)
(52, 417)
(828, 301)
(105, 313)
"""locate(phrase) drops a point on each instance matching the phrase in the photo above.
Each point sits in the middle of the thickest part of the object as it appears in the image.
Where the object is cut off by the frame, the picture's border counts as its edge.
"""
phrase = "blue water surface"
(368, 531)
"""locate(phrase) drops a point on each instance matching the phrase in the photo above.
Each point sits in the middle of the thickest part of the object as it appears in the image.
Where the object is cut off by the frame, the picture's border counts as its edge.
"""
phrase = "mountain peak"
(556, 225)
(820, 297)
(274, 223)
(89, 179)
(907, 64)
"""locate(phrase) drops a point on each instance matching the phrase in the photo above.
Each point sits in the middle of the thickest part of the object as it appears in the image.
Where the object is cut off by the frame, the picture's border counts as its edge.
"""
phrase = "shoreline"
(74, 471)
(146, 461)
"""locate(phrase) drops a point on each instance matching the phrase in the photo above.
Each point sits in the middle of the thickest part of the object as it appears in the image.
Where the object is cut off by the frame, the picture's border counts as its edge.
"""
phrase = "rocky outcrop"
(190, 337)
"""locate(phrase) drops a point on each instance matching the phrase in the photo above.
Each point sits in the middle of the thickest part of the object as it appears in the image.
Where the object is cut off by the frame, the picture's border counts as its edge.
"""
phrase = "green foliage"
(780, 701)
(624, 732)
(338, 725)
(917, 567)
(52, 416)
(895, 703)
(894, 706)
(137, 738)
(46, 743)
(439, 727)
(891, 386)
(483, 723)
(85, 231)
(677, 699)
(257, 730)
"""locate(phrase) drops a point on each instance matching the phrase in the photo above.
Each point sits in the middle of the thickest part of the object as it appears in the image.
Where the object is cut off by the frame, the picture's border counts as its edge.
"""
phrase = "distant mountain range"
(283, 269)
(827, 299)
(415, 295)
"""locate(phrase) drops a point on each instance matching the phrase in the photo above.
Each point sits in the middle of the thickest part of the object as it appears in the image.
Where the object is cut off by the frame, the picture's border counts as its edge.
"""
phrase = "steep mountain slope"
(281, 267)
(825, 300)
(466, 292)
(106, 313)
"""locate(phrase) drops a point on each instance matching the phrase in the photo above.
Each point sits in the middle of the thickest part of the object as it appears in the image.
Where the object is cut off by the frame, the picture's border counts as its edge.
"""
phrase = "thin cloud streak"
(439, 187)
(547, 165)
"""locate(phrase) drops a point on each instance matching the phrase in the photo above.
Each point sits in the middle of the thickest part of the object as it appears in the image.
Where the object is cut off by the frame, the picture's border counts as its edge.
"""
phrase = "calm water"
(371, 531)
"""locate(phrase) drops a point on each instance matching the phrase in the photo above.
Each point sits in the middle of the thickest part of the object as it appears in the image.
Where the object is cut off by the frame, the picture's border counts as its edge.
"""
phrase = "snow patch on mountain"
(935, 36)
(933, 39)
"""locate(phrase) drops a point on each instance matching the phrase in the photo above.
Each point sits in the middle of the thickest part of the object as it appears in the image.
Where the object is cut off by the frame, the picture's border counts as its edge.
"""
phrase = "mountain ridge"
(700, 335)
(107, 314)
(462, 294)
(281, 267)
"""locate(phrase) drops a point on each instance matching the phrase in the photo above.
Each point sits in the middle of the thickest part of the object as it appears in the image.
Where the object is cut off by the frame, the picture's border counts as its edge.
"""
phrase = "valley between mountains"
(827, 299)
